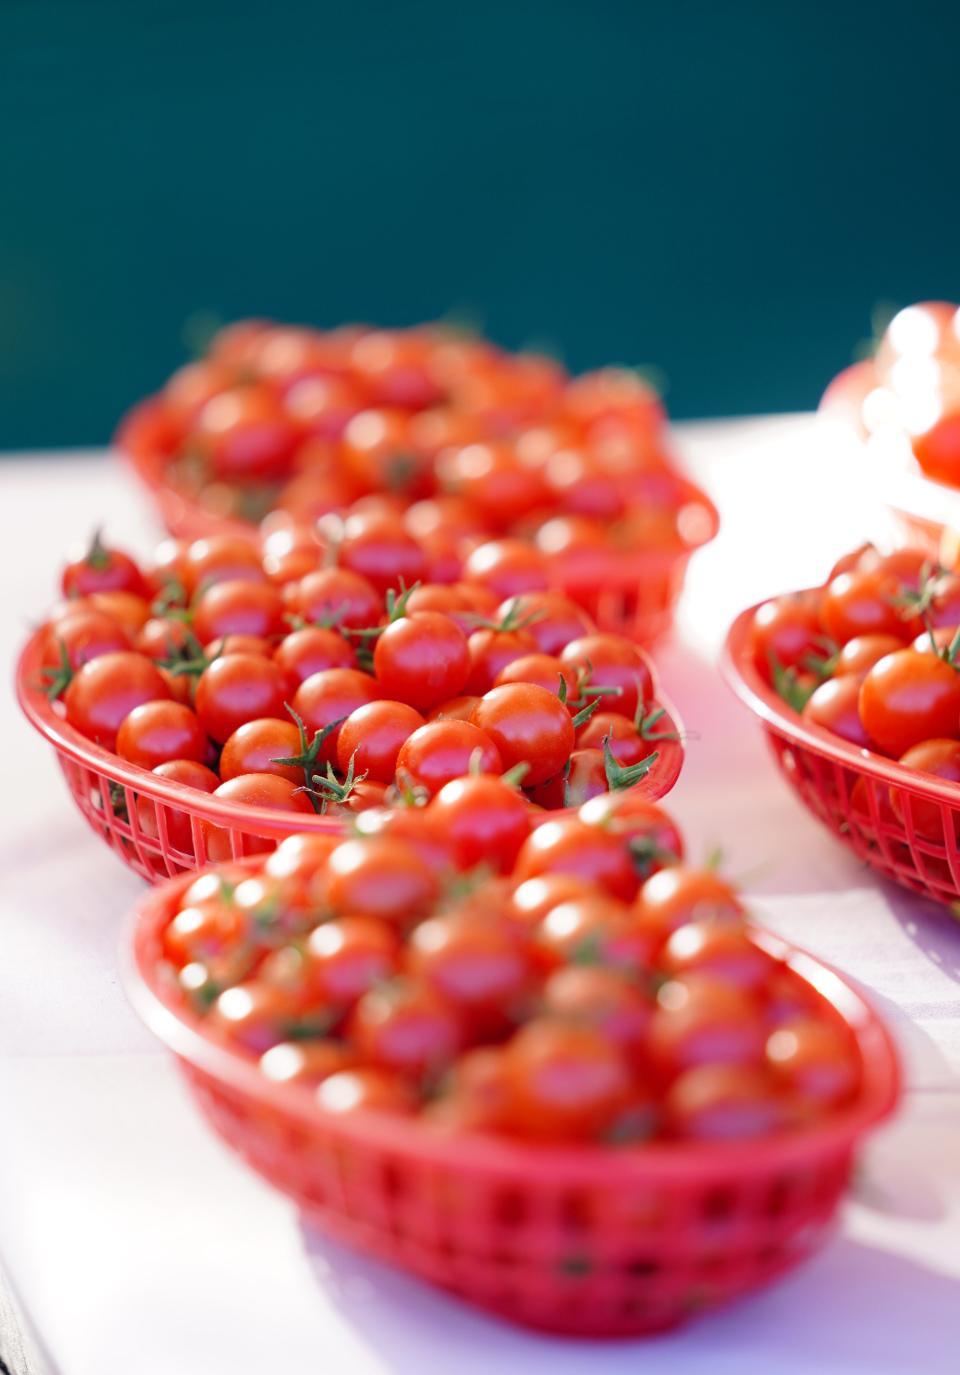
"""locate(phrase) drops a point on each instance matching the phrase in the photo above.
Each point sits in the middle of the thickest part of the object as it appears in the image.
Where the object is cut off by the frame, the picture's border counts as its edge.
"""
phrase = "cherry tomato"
(256, 747)
(835, 705)
(455, 709)
(494, 480)
(406, 1027)
(366, 1090)
(329, 697)
(238, 608)
(414, 827)
(312, 650)
(724, 1103)
(373, 735)
(909, 697)
(816, 1060)
(508, 567)
(545, 670)
(677, 895)
(552, 619)
(787, 632)
(475, 1093)
(305, 1062)
(206, 931)
(627, 745)
(595, 929)
(192, 386)
(105, 691)
(221, 558)
(128, 609)
(245, 433)
(612, 662)
(295, 862)
(379, 877)
(531, 900)
(263, 790)
(238, 688)
(78, 637)
(324, 406)
(160, 638)
(443, 750)
(254, 1016)
(377, 454)
(704, 1021)
(719, 949)
(863, 651)
(349, 955)
(179, 829)
(937, 449)
(603, 998)
(483, 820)
(422, 659)
(102, 569)
(564, 1080)
(863, 602)
(491, 650)
(157, 732)
(472, 960)
(941, 758)
(376, 546)
(528, 724)
(238, 644)
(571, 846)
(649, 834)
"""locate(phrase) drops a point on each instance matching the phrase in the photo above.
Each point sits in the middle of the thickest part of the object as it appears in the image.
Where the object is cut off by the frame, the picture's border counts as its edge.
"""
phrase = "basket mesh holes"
(392, 1180)
(777, 1200)
(575, 1212)
(509, 1208)
(642, 1268)
(718, 1206)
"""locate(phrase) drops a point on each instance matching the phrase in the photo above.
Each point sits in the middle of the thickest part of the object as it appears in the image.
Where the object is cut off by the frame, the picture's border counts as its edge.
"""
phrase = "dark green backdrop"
(725, 189)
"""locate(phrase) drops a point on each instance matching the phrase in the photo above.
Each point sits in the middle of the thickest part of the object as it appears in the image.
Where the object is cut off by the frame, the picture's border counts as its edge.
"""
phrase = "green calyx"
(620, 776)
(310, 748)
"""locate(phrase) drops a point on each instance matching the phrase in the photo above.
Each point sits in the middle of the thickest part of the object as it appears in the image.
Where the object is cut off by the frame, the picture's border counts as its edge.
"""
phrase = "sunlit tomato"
(414, 827)
(834, 705)
(238, 608)
(253, 1016)
(256, 746)
(483, 820)
(406, 1027)
(326, 698)
(494, 480)
(105, 691)
(531, 900)
(651, 837)
(294, 864)
(474, 1096)
(263, 790)
(372, 737)
(474, 960)
(102, 569)
(349, 955)
(221, 558)
(909, 697)
(864, 602)
(290, 551)
(508, 567)
(192, 386)
(816, 1060)
(578, 550)
(552, 619)
(565, 1080)
(571, 846)
(701, 1020)
(594, 929)
(941, 758)
(305, 1062)
(452, 599)
(422, 659)
(937, 449)
(612, 662)
(787, 632)
(324, 406)
(627, 745)
(337, 597)
(128, 609)
(603, 998)
(78, 637)
(456, 709)
(719, 949)
(376, 453)
(245, 433)
(545, 670)
(204, 931)
(312, 650)
(529, 725)
(157, 818)
(156, 732)
(443, 750)
(490, 651)
(160, 638)
(677, 895)
(379, 877)
(238, 688)
(724, 1103)
(366, 1090)
(861, 653)
(396, 368)
(238, 644)
(376, 546)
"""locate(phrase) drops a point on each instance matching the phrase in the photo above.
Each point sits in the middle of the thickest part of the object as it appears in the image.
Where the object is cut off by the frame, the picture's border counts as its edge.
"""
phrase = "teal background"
(725, 190)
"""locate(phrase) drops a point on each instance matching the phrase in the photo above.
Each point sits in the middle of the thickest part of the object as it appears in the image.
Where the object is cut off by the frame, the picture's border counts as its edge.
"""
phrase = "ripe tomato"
(253, 1016)
(474, 961)
(595, 929)
(443, 750)
(937, 449)
(189, 389)
(366, 1090)
(720, 949)
(204, 932)
(701, 1020)
(474, 1097)
(528, 724)
(330, 697)
(491, 650)
(452, 599)
(627, 745)
(349, 955)
(238, 688)
(508, 567)
(294, 865)
(422, 659)
(725, 1103)
(238, 608)
(612, 662)
(256, 746)
(406, 1027)
(941, 758)
(305, 1062)
(105, 691)
(652, 837)
(543, 669)
(76, 638)
(602, 998)
(264, 790)
(154, 817)
(816, 1060)
(787, 631)
(379, 877)
(160, 638)
(129, 610)
(564, 1080)
(456, 709)
(246, 434)
(414, 827)
(220, 558)
(835, 705)
(494, 480)
(372, 736)
(102, 569)
(909, 697)
(861, 653)
(571, 846)
(376, 546)
(324, 406)
(552, 619)
(156, 732)
(864, 602)
(396, 368)
(531, 900)
(483, 820)
(677, 895)
(338, 597)
(376, 454)
(312, 650)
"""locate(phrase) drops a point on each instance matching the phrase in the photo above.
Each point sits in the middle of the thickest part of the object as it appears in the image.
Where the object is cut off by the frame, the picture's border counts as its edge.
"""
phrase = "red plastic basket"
(116, 797)
(850, 789)
(577, 1240)
(633, 594)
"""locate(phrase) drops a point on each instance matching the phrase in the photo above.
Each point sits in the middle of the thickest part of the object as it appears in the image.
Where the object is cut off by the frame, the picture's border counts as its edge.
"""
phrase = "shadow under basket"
(585, 1241)
(161, 829)
(902, 823)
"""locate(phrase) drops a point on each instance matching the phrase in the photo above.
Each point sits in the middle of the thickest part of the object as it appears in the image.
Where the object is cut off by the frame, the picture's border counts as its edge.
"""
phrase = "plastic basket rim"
(149, 468)
(743, 677)
(570, 1165)
(239, 815)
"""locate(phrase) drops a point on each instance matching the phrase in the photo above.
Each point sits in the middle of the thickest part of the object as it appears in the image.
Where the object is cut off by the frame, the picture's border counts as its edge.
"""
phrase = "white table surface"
(137, 1244)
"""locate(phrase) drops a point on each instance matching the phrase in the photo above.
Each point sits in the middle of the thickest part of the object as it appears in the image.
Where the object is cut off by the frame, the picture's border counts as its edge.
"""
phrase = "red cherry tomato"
(331, 696)
(263, 790)
(376, 546)
(440, 751)
(154, 817)
(724, 1103)
(494, 480)
(245, 433)
(312, 650)
(473, 961)
(483, 820)
(491, 651)
(76, 638)
(379, 877)
(564, 1080)
(909, 697)
(571, 846)
(373, 735)
(545, 670)
(787, 631)
(612, 662)
(366, 1090)
(238, 608)
(456, 709)
(156, 732)
(305, 1062)
(102, 569)
(508, 567)
(105, 691)
(595, 929)
(941, 758)
(861, 653)
(348, 956)
(340, 598)
(406, 1027)
(835, 705)
(720, 949)
(603, 998)
(530, 725)
(677, 895)
(220, 558)
(816, 1060)
(256, 746)
(422, 659)
(864, 602)
(238, 688)
(701, 1020)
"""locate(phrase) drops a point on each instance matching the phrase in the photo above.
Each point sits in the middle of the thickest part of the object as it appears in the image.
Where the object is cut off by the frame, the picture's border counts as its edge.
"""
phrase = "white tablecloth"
(137, 1245)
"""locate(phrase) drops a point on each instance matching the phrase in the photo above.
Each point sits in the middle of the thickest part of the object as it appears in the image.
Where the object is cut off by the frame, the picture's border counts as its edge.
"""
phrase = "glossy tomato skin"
(594, 929)
(564, 1080)
(238, 607)
(157, 732)
(102, 569)
(305, 1062)
(627, 745)
(408, 1028)
(701, 1020)
(264, 790)
(679, 894)
(455, 709)
(332, 696)
(907, 698)
(483, 820)
(422, 659)
(256, 746)
(238, 688)
(860, 654)
(546, 670)
(941, 758)
(82, 635)
(570, 846)
(611, 661)
(786, 631)
(508, 567)
(494, 481)
(105, 691)
(440, 751)
(720, 949)
(835, 706)
(652, 836)
(178, 824)
(863, 602)
(366, 1090)
(529, 725)
(491, 651)
(379, 877)
(372, 737)
(815, 1060)
(376, 546)
(246, 434)
(723, 1103)
(604, 998)
(312, 650)
(474, 960)
(349, 955)
(339, 598)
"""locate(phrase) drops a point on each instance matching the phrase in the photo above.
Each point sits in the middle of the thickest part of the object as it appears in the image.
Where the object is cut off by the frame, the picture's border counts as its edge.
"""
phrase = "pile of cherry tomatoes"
(874, 657)
(597, 990)
(312, 670)
(462, 438)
